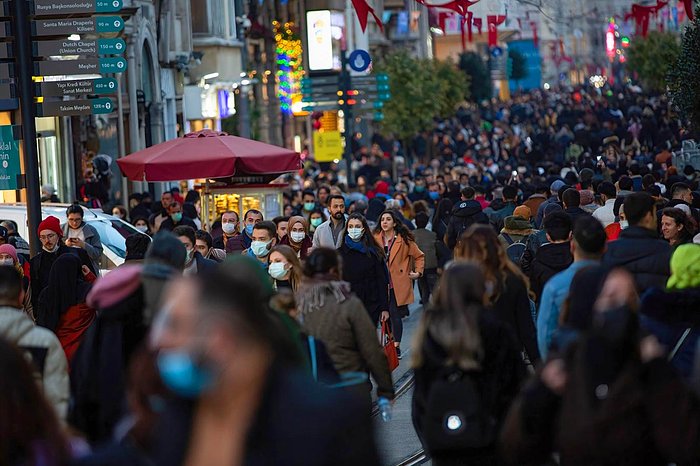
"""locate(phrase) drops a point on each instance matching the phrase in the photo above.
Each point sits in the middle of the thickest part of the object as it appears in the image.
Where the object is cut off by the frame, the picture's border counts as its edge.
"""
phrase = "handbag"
(389, 347)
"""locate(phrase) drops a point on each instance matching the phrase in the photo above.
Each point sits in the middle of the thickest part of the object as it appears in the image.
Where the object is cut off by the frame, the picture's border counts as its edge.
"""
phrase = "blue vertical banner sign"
(9, 159)
(533, 64)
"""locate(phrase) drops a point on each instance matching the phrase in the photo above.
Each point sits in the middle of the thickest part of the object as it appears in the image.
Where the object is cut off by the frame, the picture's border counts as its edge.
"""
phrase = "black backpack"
(457, 413)
(515, 249)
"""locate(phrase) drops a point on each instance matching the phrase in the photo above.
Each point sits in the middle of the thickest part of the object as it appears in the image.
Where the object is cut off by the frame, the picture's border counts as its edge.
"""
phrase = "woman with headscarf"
(62, 306)
(612, 398)
(297, 237)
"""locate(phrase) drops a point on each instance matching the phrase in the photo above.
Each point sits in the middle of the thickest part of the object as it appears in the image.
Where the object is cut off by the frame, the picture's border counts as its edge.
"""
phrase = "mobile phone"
(599, 157)
(514, 173)
(540, 170)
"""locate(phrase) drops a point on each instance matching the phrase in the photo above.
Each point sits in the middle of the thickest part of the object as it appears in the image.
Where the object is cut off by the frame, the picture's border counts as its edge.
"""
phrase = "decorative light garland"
(289, 63)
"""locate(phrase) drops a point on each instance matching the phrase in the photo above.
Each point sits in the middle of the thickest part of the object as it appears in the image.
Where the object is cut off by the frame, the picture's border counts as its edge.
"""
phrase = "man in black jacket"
(464, 215)
(553, 256)
(639, 249)
(195, 263)
(572, 205)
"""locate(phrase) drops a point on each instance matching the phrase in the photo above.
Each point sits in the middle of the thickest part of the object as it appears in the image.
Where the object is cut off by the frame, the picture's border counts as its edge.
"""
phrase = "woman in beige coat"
(405, 262)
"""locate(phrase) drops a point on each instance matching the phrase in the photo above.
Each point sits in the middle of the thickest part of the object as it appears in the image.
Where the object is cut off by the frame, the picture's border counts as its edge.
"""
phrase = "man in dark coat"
(176, 218)
(553, 256)
(195, 262)
(639, 250)
(572, 205)
(464, 215)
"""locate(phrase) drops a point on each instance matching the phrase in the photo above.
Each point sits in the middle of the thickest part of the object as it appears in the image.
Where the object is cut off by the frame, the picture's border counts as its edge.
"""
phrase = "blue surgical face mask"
(182, 375)
(309, 206)
(434, 195)
(259, 248)
(419, 189)
(249, 229)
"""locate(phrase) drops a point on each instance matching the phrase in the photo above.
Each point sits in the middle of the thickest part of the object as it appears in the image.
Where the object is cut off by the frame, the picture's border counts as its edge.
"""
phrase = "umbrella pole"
(205, 206)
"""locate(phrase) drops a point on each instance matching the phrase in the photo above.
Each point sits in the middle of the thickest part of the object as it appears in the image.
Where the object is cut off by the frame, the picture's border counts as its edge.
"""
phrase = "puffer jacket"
(550, 259)
(517, 228)
(464, 215)
(645, 256)
(46, 353)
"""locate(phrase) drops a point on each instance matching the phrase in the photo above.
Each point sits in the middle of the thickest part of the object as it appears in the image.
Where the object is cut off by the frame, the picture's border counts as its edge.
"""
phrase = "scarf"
(316, 292)
(355, 245)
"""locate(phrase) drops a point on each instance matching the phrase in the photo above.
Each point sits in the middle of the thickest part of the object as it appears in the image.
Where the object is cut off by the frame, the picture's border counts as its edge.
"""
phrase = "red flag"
(460, 6)
(688, 4)
(535, 38)
(478, 24)
(470, 18)
(493, 22)
(363, 10)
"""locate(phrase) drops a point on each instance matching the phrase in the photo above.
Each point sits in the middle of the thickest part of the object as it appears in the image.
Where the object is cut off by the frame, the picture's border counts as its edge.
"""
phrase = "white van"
(113, 231)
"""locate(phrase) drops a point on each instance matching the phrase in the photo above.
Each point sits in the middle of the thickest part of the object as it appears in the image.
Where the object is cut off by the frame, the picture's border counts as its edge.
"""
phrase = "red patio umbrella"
(207, 154)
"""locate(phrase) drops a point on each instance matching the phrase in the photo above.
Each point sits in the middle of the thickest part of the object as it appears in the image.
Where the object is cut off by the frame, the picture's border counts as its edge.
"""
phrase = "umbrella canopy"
(207, 154)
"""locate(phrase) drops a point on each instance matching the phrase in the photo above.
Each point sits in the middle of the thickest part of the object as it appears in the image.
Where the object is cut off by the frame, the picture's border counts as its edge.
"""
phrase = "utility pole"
(23, 52)
(346, 85)
(244, 113)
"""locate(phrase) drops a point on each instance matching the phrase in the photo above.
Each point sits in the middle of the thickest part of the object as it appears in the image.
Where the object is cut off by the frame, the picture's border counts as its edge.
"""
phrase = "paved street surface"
(397, 439)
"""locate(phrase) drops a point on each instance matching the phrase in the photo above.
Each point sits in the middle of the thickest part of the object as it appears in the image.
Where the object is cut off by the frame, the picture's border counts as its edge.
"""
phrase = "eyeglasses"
(48, 237)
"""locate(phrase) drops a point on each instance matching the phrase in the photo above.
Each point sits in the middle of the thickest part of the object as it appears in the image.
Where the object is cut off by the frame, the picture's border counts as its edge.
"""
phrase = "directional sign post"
(66, 27)
(101, 86)
(54, 7)
(75, 107)
(84, 47)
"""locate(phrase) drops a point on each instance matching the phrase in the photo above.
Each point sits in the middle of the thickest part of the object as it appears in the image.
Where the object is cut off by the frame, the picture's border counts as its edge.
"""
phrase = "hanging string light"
(289, 63)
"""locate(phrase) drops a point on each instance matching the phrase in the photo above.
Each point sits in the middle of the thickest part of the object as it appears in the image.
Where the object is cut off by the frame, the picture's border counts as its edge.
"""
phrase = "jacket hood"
(467, 208)
(519, 224)
(14, 323)
(556, 256)
(672, 306)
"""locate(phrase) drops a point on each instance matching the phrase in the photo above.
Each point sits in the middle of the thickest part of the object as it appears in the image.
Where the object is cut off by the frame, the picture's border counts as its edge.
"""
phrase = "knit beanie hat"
(685, 267)
(50, 223)
(587, 196)
(9, 250)
(522, 211)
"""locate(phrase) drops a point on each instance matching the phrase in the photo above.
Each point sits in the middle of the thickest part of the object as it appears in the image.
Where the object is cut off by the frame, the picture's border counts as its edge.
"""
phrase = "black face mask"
(616, 325)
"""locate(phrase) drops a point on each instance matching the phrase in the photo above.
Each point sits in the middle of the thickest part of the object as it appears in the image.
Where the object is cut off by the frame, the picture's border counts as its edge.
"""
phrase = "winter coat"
(342, 323)
(645, 256)
(550, 259)
(464, 215)
(534, 202)
(40, 266)
(368, 278)
(575, 213)
(426, 241)
(296, 423)
(323, 236)
(517, 228)
(169, 224)
(303, 251)
(498, 217)
(93, 244)
(513, 308)
(501, 374)
(667, 315)
(46, 354)
(400, 258)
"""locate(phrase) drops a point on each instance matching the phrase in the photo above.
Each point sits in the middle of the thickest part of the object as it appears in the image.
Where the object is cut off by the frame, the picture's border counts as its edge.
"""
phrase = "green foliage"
(651, 58)
(420, 90)
(684, 75)
(474, 67)
(519, 65)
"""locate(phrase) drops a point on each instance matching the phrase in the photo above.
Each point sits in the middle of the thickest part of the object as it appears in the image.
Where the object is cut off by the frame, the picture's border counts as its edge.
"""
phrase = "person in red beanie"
(51, 248)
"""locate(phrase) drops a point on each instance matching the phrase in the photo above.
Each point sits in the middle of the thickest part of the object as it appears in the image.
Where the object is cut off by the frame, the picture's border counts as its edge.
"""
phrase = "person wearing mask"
(676, 227)
(119, 212)
(671, 313)
(427, 241)
(40, 344)
(285, 268)
(204, 245)
(264, 238)
(614, 229)
(251, 218)
(572, 205)
(464, 215)
(364, 268)
(30, 429)
(195, 263)
(10, 258)
(160, 216)
(457, 338)
(297, 237)
(62, 304)
(587, 247)
(330, 233)
(420, 192)
(230, 233)
(330, 312)
(554, 189)
(605, 214)
(611, 398)
(553, 256)
(406, 263)
(52, 248)
(141, 224)
(308, 203)
(78, 234)
(224, 360)
(510, 194)
(316, 219)
(507, 288)
(282, 224)
(638, 248)
(176, 218)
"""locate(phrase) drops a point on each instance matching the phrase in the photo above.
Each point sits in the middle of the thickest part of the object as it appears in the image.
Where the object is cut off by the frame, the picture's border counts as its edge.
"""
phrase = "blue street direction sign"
(97, 106)
(68, 26)
(73, 7)
(9, 159)
(84, 47)
(77, 87)
(86, 66)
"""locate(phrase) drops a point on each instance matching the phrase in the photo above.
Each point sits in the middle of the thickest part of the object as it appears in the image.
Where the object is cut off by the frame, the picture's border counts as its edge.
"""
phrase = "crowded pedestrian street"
(350, 232)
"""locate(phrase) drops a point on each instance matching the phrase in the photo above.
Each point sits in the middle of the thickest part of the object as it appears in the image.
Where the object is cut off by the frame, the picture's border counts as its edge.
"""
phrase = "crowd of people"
(550, 240)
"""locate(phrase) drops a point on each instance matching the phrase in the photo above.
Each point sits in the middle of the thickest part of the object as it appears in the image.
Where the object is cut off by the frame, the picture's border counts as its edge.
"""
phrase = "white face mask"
(624, 224)
(355, 233)
(9, 261)
(259, 248)
(142, 228)
(277, 270)
(297, 236)
(228, 228)
(55, 247)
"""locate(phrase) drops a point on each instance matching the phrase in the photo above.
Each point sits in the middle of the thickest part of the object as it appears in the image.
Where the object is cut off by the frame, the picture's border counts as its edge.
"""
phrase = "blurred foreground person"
(613, 398)
(467, 370)
(234, 398)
